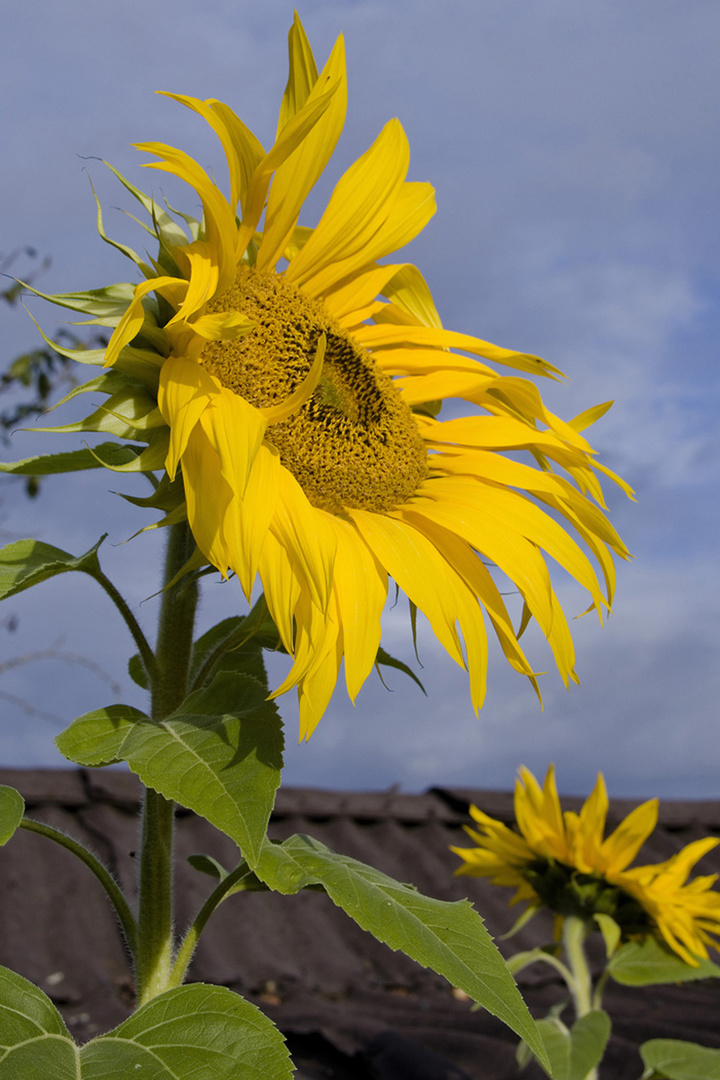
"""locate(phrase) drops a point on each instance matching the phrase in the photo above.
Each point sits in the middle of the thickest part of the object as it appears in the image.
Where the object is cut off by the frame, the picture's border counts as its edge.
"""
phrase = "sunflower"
(563, 861)
(293, 381)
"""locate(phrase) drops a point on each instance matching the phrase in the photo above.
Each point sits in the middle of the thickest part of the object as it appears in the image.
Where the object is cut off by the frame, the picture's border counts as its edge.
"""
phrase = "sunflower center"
(355, 443)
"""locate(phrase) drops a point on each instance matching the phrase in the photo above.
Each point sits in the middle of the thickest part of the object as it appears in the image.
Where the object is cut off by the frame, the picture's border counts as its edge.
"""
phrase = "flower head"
(293, 381)
(563, 861)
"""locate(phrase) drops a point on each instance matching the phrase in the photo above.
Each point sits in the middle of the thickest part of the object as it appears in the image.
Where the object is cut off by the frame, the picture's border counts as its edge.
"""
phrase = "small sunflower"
(293, 381)
(563, 861)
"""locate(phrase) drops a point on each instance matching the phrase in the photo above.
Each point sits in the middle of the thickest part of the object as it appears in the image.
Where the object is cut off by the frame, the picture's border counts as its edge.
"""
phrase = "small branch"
(146, 653)
(108, 882)
(216, 897)
(538, 956)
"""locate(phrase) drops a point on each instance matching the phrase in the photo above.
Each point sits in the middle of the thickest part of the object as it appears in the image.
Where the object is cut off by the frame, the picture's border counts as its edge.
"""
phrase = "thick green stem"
(155, 923)
(574, 933)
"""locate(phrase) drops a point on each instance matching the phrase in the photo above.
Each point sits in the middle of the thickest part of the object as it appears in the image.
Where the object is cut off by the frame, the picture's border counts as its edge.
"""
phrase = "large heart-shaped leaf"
(449, 938)
(678, 1060)
(198, 1030)
(219, 754)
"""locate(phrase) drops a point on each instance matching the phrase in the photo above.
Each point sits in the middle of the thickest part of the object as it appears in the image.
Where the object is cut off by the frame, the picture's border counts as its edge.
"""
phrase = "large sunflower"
(294, 382)
(563, 861)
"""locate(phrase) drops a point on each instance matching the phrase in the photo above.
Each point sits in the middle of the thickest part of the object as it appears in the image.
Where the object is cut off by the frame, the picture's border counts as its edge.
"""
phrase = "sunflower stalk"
(154, 956)
(574, 934)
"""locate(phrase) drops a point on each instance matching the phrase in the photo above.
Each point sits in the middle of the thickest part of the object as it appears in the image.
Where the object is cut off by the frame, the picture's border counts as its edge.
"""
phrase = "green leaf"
(648, 963)
(449, 938)
(137, 672)
(198, 1030)
(575, 1052)
(678, 1060)
(387, 660)
(206, 864)
(28, 562)
(97, 738)
(12, 808)
(213, 640)
(107, 454)
(35, 1042)
(219, 754)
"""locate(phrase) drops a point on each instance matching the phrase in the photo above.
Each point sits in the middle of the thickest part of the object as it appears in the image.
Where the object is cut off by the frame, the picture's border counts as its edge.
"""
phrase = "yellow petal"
(235, 429)
(408, 212)
(301, 152)
(302, 76)
(219, 219)
(361, 591)
(185, 391)
(132, 320)
(409, 291)
(419, 570)
(281, 585)
(383, 335)
(489, 534)
(254, 512)
(624, 843)
(208, 498)
(358, 206)
(304, 533)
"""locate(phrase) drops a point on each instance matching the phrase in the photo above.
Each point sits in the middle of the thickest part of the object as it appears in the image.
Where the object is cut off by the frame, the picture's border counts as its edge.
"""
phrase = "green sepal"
(610, 931)
(28, 562)
(219, 754)
(449, 938)
(141, 364)
(122, 248)
(386, 660)
(198, 1030)
(166, 231)
(12, 808)
(674, 1059)
(573, 1053)
(522, 920)
(167, 496)
(97, 738)
(109, 455)
(649, 963)
(128, 414)
(108, 303)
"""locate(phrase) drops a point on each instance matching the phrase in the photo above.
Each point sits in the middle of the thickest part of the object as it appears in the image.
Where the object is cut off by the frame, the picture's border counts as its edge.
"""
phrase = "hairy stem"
(101, 872)
(216, 897)
(146, 653)
(169, 688)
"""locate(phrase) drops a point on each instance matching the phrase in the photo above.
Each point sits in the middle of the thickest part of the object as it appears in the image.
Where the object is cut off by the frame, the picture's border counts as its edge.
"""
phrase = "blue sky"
(575, 152)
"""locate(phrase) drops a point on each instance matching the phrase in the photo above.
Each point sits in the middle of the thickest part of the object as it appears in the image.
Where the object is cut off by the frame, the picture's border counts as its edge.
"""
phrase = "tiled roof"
(349, 1007)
